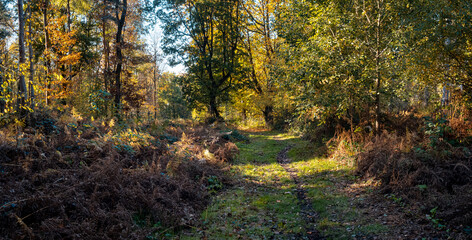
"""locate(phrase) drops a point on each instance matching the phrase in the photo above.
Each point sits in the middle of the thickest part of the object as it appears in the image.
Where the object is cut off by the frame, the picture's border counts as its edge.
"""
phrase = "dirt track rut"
(306, 207)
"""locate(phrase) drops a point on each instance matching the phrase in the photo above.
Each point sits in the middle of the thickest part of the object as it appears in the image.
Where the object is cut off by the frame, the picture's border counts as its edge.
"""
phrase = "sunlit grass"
(268, 174)
(264, 204)
(338, 219)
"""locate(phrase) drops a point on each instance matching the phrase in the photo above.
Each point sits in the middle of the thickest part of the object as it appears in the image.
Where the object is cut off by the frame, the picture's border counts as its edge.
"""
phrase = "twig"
(24, 226)
(34, 212)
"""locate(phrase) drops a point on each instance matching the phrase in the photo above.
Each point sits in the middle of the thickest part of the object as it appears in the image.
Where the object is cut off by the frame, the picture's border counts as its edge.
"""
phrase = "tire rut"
(306, 208)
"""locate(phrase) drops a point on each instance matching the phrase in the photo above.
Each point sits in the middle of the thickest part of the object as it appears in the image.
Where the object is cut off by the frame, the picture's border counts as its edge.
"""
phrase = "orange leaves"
(62, 56)
(70, 59)
(61, 40)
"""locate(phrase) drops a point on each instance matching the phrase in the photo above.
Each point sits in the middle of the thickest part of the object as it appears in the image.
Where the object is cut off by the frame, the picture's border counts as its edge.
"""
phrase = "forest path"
(283, 189)
(306, 207)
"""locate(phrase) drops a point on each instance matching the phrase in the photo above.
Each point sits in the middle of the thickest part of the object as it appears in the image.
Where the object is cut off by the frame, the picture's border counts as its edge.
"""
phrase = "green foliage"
(437, 223)
(422, 187)
(172, 103)
(214, 185)
(436, 130)
(210, 56)
(396, 199)
(334, 62)
(99, 101)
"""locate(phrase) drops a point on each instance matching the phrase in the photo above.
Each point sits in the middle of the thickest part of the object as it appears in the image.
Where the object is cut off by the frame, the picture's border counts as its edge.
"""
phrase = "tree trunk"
(30, 51)
(47, 61)
(106, 51)
(244, 114)
(268, 116)
(214, 113)
(154, 90)
(2, 102)
(119, 55)
(377, 70)
(69, 22)
(22, 93)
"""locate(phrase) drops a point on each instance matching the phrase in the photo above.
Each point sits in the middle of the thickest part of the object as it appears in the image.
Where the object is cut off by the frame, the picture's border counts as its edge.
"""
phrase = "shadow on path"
(306, 209)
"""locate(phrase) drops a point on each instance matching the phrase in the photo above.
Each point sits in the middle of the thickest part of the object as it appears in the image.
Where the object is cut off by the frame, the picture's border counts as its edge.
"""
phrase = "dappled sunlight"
(253, 213)
(265, 203)
(320, 165)
(287, 116)
(268, 174)
(367, 185)
(285, 137)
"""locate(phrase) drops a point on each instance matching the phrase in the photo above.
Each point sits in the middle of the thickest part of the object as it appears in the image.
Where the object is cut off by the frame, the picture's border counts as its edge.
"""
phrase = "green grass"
(264, 205)
(338, 218)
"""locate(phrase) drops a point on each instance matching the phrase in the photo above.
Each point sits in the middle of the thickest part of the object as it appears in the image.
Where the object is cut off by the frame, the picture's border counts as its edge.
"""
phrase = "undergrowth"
(95, 179)
(424, 161)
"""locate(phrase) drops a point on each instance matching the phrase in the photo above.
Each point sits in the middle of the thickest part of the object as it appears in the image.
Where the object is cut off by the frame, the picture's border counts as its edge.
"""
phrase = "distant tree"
(213, 28)
(341, 55)
(259, 45)
(440, 42)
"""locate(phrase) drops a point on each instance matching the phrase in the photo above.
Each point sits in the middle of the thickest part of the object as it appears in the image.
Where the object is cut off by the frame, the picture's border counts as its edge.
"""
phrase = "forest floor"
(285, 188)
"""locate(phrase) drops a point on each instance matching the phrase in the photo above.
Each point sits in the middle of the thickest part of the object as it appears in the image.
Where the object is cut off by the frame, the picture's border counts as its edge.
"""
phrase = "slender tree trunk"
(69, 22)
(154, 90)
(2, 102)
(119, 55)
(47, 61)
(106, 60)
(30, 51)
(244, 114)
(106, 50)
(22, 92)
(68, 76)
(377, 70)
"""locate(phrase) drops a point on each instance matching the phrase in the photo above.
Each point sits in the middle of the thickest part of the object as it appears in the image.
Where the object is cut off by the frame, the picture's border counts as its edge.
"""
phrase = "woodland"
(292, 119)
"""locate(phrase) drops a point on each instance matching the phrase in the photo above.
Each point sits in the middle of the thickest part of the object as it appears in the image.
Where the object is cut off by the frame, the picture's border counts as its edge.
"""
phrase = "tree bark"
(106, 51)
(269, 116)
(377, 70)
(2, 102)
(22, 93)
(69, 22)
(119, 46)
(154, 90)
(47, 61)
(30, 51)
(214, 108)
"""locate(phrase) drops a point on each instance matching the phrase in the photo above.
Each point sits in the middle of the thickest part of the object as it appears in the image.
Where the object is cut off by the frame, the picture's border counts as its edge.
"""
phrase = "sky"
(153, 39)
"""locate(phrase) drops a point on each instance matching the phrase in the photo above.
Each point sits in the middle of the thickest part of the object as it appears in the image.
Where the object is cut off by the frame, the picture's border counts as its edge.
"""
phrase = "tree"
(259, 44)
(22, 92)
(30, 56)
(120, 7)
(4, 33)
(47, 62)
(342, 54)
(213, 28)
(440, 35)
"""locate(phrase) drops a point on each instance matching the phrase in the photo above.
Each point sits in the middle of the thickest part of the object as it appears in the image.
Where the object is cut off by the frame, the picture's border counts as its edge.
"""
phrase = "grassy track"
(264, 205)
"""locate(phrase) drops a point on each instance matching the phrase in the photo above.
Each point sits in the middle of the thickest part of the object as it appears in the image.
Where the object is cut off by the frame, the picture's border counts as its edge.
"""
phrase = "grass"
(324, 179)
(264, 205)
